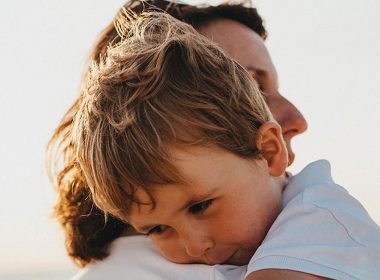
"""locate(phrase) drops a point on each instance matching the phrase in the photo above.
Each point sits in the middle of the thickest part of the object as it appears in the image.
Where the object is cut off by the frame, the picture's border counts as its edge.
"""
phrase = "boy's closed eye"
(156, 230)
(197, 208)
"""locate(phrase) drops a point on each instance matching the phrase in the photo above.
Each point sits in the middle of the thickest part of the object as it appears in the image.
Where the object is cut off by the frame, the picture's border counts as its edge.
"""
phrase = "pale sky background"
(327, 57)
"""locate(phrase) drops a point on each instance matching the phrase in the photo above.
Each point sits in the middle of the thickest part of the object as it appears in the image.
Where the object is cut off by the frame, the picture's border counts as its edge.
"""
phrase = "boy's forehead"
(194, 161)
(205, 166)
(195, 165)
(202, 170)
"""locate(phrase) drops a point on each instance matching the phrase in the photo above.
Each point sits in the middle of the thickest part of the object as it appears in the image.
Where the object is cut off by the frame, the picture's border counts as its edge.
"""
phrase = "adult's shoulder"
(126, 259)
(135, 257)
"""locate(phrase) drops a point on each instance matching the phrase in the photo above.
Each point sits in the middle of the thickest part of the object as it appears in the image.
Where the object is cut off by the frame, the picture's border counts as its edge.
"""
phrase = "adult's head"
(87, 234)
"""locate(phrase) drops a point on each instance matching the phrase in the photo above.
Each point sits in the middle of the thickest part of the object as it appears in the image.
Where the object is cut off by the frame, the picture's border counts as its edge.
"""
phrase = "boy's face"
(220, 216)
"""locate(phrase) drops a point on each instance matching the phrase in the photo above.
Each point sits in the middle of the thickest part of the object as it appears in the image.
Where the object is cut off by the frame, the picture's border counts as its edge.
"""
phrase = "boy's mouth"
(240, 257)
(233, 259)
(217, 260)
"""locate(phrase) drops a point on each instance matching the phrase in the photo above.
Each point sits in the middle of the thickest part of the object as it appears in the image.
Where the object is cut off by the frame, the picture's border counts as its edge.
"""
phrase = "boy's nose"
(196, 244)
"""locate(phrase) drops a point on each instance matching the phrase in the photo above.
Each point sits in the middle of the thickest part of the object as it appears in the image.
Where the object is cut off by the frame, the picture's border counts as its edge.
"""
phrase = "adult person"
(87, 233)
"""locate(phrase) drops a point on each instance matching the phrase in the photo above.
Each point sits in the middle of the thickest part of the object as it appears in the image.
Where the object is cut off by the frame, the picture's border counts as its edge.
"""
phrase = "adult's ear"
(272, 146)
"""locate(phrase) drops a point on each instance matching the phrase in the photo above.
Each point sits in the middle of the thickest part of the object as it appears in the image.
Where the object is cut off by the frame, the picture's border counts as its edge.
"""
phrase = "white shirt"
(321, 230)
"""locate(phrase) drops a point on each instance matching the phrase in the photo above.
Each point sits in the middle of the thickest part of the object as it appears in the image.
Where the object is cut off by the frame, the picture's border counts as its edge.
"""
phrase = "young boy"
(175, 138)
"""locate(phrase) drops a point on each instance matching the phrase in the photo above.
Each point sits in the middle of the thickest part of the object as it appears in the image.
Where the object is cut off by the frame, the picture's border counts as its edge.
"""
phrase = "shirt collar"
(314, 173)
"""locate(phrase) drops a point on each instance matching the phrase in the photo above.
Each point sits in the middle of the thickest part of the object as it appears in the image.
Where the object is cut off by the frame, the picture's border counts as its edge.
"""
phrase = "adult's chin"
(291, 155)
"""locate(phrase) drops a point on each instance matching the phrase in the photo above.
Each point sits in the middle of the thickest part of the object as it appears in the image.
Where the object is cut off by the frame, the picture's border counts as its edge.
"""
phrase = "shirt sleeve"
(322, 231)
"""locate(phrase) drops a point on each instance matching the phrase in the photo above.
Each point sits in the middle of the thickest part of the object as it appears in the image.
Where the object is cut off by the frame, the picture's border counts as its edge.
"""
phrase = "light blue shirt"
(321, 230)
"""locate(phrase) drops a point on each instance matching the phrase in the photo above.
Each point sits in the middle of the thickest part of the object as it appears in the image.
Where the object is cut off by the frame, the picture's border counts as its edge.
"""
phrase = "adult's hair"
(87, 232)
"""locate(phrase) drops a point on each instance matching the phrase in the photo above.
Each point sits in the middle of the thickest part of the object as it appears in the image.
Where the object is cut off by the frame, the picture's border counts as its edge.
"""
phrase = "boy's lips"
(240, 257)
(232, 259)
(218, 260)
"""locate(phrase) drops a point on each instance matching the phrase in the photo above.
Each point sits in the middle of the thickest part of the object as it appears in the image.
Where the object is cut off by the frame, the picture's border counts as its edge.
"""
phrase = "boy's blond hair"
(164, 85)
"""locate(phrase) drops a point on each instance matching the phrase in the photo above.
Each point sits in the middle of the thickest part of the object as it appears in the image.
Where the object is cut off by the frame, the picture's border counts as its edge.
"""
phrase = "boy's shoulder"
(322, 230)
(319, 193)
(314, 175)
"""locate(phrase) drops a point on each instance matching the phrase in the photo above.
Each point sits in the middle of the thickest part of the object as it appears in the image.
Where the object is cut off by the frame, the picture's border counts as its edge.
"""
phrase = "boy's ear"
(272, 146)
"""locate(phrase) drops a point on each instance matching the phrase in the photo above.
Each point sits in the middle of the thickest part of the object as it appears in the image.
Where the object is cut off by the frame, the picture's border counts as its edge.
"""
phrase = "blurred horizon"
(326, 54)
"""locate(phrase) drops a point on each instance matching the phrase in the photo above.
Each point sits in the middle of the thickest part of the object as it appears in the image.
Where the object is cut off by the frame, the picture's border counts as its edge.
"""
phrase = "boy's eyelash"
(155, 230)
(200, 207)
(194, 209)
